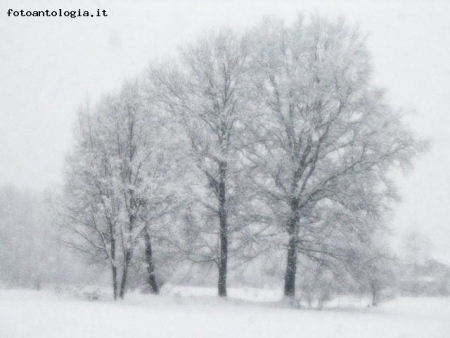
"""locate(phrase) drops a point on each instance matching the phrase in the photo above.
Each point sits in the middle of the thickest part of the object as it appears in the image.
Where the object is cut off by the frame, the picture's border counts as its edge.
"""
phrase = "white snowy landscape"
(224, 169)
(198, 313)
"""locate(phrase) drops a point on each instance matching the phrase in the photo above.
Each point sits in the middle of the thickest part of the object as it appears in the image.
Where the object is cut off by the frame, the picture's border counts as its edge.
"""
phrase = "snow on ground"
(196, 312)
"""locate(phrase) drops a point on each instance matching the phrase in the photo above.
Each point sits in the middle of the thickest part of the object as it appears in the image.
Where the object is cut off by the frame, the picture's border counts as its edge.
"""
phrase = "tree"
(325, 141)
(204, 92)
(116, 187)
(89, 206)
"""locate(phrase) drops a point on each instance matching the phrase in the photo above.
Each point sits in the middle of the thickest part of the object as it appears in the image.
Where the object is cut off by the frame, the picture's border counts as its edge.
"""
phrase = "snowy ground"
(190, 312)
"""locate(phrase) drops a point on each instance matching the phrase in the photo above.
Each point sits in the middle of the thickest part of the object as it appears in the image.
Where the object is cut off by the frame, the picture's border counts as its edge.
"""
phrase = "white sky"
(50, 66)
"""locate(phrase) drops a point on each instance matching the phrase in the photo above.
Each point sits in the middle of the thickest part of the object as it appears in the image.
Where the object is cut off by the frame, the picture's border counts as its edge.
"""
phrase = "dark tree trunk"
(113, 260)
(114, 277)
(375, 294)
(150, 264)
(291, 266)
(128, 252)
(223, 261)
(123, 284)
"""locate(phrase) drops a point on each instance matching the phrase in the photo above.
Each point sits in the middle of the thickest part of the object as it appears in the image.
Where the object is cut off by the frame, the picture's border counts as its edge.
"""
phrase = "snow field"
(193, 312)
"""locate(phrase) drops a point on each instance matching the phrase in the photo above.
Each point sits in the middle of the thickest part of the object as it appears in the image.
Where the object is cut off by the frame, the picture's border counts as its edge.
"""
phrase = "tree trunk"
(291, 266)
(128, 251)
(150, 264)
(114, 277)
(222, 287)
(113, 260)
(375, 294)
(123, 283)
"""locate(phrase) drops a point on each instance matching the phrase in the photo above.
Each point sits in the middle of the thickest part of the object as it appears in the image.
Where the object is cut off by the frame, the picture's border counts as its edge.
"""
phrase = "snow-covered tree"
(325, 141)
(117, 193)
(204, 92)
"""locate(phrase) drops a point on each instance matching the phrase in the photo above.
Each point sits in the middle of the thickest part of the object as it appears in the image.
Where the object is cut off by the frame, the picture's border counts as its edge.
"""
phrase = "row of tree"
(243, 145)
(32, 257)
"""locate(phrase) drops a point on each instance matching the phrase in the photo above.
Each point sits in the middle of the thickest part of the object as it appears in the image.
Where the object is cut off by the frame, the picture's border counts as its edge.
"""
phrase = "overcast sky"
(50, 66)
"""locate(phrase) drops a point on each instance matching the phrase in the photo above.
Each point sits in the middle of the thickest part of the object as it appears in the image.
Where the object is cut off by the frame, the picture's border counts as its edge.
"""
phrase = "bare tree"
(326, 139)
(89, 206)
(204, 92)
(117, 187)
